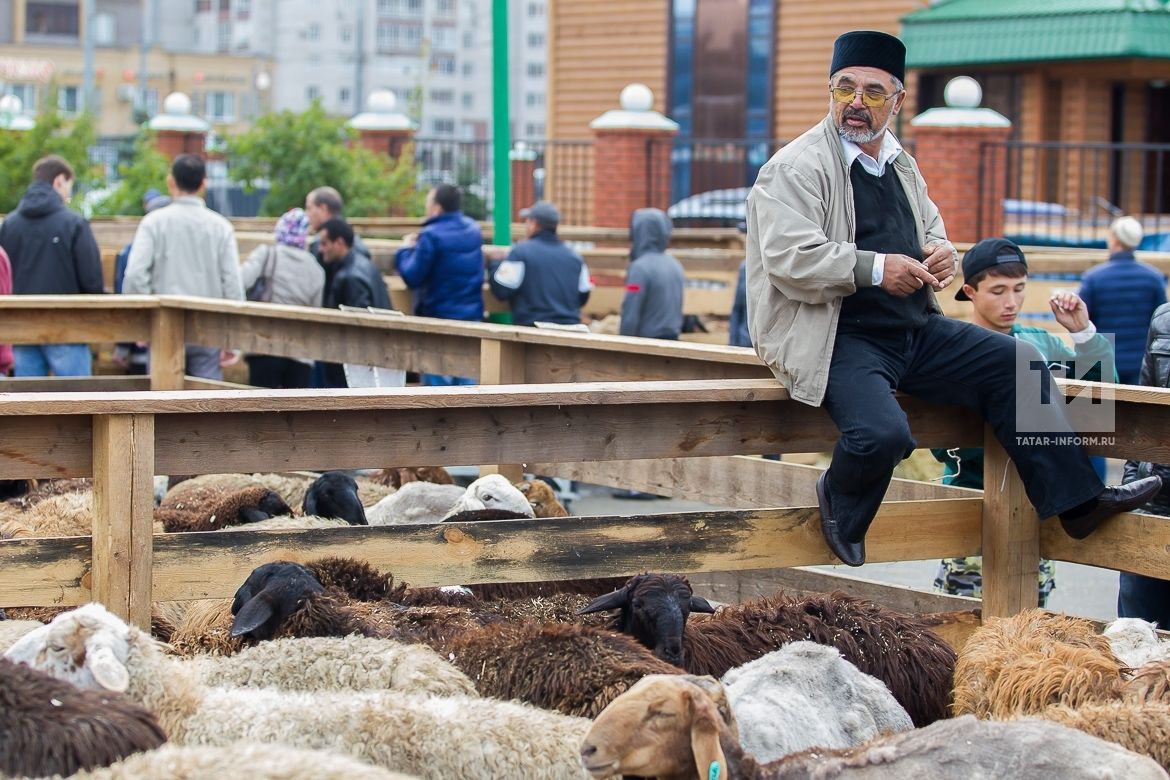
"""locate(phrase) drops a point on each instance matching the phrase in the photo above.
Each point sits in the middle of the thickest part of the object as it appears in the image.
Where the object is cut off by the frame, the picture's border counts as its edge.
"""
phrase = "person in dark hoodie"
(653, 304)
(355, 281)
(443, 264)
(53, 252)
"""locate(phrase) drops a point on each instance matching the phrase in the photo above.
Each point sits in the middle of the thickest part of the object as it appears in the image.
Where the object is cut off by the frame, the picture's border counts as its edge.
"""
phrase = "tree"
(52, 135)
(148, 170)
(295, 153)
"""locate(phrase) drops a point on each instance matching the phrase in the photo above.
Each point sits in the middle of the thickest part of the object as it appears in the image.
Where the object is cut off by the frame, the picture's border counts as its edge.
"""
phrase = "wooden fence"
(606, 409)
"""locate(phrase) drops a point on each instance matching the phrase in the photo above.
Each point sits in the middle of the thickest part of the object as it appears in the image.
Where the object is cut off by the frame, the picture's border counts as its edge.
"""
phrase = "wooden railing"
(555, 407)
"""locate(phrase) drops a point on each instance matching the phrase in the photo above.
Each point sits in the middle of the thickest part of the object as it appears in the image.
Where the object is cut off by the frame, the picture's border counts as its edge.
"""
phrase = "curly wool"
(205, 627)
(1150, 682)
(208, 509)
(48, 726)
(14, 529)
(63, 514)
(542, 498)
(397, 477)
(1141, 727)
(290, 523)
(1135, 642)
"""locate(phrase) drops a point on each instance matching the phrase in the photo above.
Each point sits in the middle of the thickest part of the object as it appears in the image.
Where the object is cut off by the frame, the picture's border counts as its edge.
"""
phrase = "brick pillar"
(172, 143)
(381, 127)
(177, 131)
(386, 141)
(523, 161)
(960, 151)
(631, 158)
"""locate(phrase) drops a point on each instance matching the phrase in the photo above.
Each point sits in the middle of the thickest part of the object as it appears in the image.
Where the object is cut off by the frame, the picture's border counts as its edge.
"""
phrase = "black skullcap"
(870, 49)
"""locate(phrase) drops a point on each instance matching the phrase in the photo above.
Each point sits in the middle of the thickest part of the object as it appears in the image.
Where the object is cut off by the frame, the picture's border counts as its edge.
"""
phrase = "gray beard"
(860, 136)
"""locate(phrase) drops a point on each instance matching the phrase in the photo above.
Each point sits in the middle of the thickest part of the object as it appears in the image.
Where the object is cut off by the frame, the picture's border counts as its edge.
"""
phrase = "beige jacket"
(801, 259)
(184, 249)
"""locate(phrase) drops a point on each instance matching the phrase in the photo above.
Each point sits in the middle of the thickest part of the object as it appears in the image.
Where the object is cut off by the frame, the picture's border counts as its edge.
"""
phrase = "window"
(220, 106)
(534, 100)
(414, 7)
(469, 39)
(536, 69)
(243, 9)
(345, 33)
(468, 69)
(202, 6)
(443, 126)
(27, 94)
(389, 36)
(388, 7)
(536, 39)
(443, 37)
(444, 64)
(442, 97)
(343, 95)
(312, 93)
(445, 8)
(536, 9)
(411, 36)
(69, 100)
(57, 19)
(225, 5)
(223, 36)
(534, 130)
(468, 99)
(314, 32)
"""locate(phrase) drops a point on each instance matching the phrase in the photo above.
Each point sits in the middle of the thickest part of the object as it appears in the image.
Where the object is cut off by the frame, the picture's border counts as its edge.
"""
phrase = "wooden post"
(168, 348)
(502, 363)
(123, 514)
(1011, 536)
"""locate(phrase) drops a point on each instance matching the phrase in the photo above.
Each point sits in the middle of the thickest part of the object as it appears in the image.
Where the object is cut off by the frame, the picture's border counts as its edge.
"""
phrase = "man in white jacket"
(186, 249)
(845, 253)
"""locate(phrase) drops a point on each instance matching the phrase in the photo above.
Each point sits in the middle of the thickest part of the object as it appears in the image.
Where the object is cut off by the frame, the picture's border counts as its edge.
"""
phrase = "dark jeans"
(277, 372)
(948, 362)
(1144, 597)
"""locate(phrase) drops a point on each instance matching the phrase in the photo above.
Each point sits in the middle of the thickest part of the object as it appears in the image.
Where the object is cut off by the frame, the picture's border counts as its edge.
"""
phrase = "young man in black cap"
(995, 280)
(542, 278)
(845, 254)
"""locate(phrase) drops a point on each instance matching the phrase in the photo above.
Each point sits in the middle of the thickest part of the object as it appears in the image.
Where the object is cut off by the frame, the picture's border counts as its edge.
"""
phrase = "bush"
(295, 153)
(148, 170)
(52, 135)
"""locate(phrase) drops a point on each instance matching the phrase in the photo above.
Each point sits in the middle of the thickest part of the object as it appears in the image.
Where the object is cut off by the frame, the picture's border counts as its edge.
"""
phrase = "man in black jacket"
(542, 278)
(355, 281)
(53, 252)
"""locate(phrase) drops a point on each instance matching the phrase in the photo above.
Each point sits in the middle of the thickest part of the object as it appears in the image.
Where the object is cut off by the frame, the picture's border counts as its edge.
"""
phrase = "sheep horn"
(615, 600)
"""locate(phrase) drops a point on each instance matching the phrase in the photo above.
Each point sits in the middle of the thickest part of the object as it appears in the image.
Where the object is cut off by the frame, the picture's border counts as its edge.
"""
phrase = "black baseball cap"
(988, 253)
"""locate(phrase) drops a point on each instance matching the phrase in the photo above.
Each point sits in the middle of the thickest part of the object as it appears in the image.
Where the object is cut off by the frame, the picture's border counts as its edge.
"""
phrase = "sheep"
(335, 494)
(1141, 727)
(290, 522)
(15, 488)
(1150, 682)
(48, 726)
(899, 650)
(677, 727)
(210, 509)
(542, 499)
(12, 630)
(61, 514)
(1135, 642)
(429, 736)
(254, 761)
(397, 477)
(493, 491)
(806, 695)
(329, 663)
(14, 529)
(1024, 664)
(188, 489)
(415, 503)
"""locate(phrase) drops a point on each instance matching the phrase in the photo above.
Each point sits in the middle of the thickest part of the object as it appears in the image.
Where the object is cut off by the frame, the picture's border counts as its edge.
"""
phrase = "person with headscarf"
(293, 277)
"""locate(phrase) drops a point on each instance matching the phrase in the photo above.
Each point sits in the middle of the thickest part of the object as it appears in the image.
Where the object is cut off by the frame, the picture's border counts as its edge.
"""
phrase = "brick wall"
(952, 160)
(622, 164)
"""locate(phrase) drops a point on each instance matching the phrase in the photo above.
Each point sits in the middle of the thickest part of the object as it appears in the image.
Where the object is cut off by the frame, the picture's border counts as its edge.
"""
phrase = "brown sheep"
(1026, 663)
(51, 727)
(542, 498)
(1150, 682)
(1141, 727)
(397, 477)
(211, 509)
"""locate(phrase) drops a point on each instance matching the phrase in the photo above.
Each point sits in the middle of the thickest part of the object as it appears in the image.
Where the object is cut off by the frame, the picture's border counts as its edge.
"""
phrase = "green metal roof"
(981, 32)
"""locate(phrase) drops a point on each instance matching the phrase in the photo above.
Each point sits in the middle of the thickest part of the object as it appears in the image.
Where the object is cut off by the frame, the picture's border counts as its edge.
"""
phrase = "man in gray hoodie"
(653, 304)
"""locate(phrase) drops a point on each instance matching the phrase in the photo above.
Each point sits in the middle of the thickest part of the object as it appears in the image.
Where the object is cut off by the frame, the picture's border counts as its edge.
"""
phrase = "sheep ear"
(700, 604)
(351, 509)
(709, 758)
(251, 616)
(615, 600)
(253, 514)
(107, 670)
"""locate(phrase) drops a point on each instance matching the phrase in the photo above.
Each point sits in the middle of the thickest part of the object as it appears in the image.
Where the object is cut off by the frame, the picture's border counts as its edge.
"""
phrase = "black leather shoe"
(1112, 501)
(850, 553)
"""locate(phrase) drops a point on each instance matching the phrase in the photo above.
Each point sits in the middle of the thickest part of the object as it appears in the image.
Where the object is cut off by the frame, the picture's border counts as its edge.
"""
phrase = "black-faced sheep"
(429, 736)
(212, 510)
(898, 649)
(48, 726)
(335, 494)
(677, 728)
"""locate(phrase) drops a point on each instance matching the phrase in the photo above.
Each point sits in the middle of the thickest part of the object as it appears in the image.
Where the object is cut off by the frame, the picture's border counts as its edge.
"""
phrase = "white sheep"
(806, 695)
(251, 760)
(493, 491)
(415, 503)
(332, 664)
(290, 523)
(429, 736)
(12, 630)
(1135, 642)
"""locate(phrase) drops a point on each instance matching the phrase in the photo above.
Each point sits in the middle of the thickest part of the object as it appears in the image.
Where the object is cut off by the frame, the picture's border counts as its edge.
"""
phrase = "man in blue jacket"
(1121, 296)
(53, 252)
(542, 278)
(443, 264)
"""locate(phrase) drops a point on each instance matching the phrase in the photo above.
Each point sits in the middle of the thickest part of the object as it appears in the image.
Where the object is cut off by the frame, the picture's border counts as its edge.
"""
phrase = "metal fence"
(1067, 194)
(709, 179)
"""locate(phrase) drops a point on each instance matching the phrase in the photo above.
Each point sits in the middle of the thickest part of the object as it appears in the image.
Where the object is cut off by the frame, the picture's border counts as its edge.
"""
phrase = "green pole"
(501, 127)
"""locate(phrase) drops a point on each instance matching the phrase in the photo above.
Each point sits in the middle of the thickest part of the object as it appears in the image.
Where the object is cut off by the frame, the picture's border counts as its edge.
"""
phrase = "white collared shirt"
(890, 149)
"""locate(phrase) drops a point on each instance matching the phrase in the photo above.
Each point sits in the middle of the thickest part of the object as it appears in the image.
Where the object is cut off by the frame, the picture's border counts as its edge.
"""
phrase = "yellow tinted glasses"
(870, 98)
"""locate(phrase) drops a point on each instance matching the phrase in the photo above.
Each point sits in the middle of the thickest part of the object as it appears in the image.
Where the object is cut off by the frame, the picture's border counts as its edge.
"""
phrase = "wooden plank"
(45, 446)
(589, 363)
(83, 324)
(168, 342)
(123, 514)
(74, 384)
(738, 481)
(212, 565)
(734, 587)
(515, 430)
(954, 628)
(502, 363)
(45, 572)
(199, 383)
(1011, 536)
(1129, 542)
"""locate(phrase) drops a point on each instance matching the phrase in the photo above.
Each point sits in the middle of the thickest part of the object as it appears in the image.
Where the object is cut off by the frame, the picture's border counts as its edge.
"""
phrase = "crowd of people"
(846, 255)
